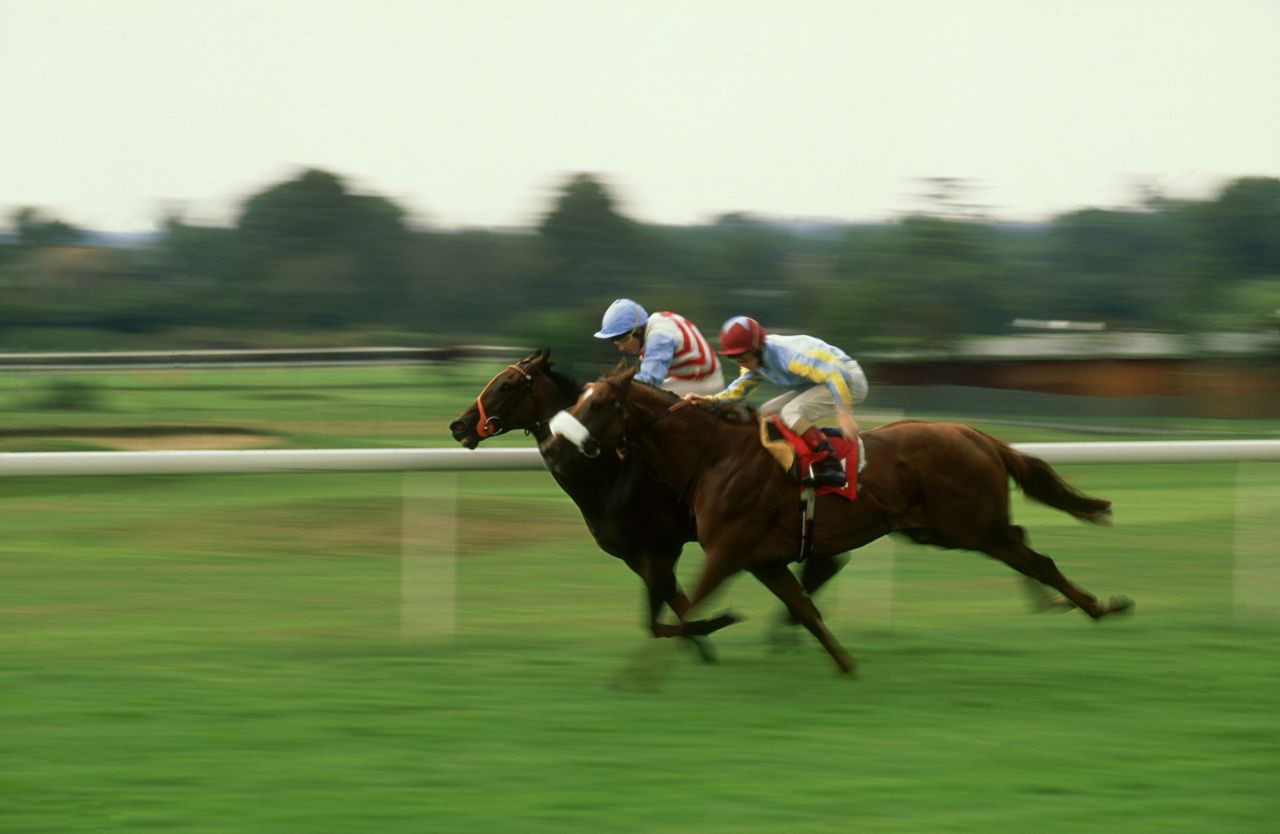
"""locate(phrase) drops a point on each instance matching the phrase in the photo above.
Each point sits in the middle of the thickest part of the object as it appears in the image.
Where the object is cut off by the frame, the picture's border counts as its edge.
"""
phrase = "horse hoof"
(1120, 605)
(1116, 605)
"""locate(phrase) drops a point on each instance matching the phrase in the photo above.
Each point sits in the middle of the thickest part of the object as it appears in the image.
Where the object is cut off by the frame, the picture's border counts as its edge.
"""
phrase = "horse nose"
(462, 433)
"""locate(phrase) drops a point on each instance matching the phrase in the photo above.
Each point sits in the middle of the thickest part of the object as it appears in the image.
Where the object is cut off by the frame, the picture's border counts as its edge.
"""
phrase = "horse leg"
(1037, 593)
(659, 576)
(670, 591)
(714, 571)
(779, 579)
(1015, 553)
(814, 573)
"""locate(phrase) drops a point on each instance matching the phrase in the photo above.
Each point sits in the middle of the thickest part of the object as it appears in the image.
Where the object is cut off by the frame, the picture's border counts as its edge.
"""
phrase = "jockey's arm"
(740, 388)
(826, 373)
(848, 426)
(844, 406)
(746, 382)
(659, 349)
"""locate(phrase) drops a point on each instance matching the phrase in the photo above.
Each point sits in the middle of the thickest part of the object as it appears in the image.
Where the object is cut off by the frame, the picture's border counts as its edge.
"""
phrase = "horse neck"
(561, 393)
(674, 444)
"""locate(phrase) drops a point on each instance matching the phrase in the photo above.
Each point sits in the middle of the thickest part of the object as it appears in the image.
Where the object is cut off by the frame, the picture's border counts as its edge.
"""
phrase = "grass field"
(229, 653)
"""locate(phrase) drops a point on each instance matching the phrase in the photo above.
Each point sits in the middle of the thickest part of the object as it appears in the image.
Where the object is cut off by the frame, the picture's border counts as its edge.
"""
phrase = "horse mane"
(737, 413)
(567, 386)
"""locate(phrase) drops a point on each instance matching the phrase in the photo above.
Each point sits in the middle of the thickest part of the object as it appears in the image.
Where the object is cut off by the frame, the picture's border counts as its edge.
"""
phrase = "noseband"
(487, 426)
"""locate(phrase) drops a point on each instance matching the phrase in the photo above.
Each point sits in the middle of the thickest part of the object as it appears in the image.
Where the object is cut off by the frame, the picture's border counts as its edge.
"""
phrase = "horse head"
(597, 420)
(522, 395)
(607, 412)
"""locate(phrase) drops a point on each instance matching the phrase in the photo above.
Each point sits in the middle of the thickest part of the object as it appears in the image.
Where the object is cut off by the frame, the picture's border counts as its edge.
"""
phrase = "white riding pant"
(811, 406)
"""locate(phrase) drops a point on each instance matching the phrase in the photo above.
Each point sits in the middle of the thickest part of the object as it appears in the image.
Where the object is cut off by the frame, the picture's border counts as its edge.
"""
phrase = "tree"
(589, 243)
(928, 281)
(34, 228)
(319, 254)
(1242, 227)
(315, 212)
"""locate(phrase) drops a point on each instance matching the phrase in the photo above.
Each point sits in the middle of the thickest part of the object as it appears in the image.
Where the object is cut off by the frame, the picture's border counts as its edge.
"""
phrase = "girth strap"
(807, 504)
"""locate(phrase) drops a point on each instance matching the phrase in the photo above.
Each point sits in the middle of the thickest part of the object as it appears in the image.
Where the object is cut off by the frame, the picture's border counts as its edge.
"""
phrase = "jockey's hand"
(696, 398)
(848, 427)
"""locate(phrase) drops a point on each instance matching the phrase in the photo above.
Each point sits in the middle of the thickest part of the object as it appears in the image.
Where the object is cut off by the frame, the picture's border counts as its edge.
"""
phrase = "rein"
(666, 412)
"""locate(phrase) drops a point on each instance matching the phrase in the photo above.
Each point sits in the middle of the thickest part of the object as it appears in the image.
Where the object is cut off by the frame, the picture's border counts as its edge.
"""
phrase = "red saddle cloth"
(845, 451)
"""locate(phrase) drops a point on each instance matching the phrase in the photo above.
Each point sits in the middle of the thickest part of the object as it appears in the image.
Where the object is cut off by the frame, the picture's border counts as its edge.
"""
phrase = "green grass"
(228, 654)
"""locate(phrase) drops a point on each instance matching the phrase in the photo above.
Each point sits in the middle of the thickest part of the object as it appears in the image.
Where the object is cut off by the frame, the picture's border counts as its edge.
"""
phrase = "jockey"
(822, 379)
(673, 353)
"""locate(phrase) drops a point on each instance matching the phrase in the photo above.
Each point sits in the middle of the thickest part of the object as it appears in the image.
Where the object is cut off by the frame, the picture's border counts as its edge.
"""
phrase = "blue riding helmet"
(622, 317)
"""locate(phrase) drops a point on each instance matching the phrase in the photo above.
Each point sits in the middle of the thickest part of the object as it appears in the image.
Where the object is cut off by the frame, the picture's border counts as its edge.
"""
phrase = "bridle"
(487, 426)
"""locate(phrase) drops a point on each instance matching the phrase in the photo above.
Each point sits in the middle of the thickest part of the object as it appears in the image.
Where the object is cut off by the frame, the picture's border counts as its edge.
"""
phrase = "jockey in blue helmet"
(673, 353)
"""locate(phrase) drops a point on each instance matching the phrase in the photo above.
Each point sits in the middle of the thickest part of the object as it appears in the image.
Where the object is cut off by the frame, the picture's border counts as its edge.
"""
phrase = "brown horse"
(938, 483)
(632, 515)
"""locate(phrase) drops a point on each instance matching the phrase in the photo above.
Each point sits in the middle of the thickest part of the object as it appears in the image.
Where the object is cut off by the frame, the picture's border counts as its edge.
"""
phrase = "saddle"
(795, 456)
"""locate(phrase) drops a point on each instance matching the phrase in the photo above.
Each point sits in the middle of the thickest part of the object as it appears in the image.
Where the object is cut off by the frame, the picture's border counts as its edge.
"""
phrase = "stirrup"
(832, 474)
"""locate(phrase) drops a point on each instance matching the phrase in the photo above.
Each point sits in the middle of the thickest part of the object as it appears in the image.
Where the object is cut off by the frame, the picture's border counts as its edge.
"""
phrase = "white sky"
(471, 113)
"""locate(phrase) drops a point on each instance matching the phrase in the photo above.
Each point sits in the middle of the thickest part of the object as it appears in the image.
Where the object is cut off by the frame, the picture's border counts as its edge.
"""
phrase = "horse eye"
(505, 386)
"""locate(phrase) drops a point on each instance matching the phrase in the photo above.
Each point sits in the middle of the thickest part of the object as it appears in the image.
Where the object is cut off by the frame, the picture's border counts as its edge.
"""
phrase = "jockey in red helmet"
(673, 352)
(821, 379)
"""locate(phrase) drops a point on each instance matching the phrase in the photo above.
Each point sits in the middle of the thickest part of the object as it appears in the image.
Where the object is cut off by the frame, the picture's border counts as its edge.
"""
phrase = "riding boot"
(827, 471)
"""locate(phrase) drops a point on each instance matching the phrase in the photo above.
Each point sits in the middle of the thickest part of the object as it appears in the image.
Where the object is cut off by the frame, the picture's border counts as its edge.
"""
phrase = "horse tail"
(1041, 483)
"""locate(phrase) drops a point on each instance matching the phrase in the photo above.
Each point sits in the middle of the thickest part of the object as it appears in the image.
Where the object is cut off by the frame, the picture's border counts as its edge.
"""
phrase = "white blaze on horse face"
(568, 427)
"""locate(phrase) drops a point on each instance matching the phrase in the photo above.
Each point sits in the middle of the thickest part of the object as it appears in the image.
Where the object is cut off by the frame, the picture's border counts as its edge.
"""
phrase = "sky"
(471, 113)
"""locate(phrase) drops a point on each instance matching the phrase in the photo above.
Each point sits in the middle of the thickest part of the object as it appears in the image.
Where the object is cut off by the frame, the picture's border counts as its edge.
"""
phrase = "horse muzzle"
(463, 433)
(567, 426)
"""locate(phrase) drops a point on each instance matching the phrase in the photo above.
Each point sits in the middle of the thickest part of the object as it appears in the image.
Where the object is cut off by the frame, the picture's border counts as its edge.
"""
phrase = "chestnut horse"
(943, 484)
(632, 515)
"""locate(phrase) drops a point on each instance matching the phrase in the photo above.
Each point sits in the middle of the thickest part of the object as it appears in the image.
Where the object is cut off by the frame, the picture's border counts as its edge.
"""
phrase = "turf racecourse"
(228, 654)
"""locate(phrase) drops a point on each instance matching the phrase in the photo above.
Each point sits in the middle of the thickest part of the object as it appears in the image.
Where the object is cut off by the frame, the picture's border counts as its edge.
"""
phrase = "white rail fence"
(429, 522)
(458, 460)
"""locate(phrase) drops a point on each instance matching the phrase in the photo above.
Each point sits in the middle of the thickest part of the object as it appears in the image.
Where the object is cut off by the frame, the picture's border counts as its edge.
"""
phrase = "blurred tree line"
(309, 261)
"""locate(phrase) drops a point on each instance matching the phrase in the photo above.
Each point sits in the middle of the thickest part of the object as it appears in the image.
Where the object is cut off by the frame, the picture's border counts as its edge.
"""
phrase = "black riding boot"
(827, 471)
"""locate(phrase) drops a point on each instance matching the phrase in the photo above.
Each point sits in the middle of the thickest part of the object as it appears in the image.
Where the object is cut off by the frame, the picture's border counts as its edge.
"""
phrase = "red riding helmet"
(740, 335)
